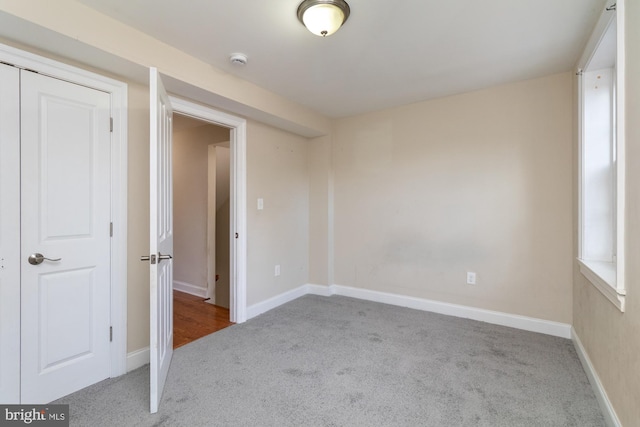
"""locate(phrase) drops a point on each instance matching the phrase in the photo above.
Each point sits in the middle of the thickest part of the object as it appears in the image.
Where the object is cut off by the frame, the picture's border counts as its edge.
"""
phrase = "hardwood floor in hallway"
(193, 318)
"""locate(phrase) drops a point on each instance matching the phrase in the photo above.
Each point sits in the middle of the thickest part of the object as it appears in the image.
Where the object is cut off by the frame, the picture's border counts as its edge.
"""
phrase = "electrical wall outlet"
(260, 204)
(471, 278)
(277, 270)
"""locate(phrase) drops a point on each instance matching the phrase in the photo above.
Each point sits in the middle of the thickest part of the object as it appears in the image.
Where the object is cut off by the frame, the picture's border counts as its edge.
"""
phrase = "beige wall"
(223, 172)
(138, 218)
(612, 338)
(320, 210)
(477, 182)
(277, 171)
(190, 191)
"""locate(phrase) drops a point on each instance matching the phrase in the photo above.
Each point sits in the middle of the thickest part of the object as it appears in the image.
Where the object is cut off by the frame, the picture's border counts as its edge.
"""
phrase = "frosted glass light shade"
(323, 17)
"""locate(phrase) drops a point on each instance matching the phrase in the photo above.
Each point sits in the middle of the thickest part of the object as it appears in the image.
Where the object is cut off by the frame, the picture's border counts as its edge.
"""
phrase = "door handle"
(35, 259)
(161, 257)
(151, 258)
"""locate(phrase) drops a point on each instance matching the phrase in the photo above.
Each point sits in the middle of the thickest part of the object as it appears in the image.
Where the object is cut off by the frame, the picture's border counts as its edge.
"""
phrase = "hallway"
(193, 318)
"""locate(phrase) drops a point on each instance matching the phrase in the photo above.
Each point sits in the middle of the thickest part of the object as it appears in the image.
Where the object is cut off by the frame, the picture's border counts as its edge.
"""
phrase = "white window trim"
(602, 275)
(607, 277)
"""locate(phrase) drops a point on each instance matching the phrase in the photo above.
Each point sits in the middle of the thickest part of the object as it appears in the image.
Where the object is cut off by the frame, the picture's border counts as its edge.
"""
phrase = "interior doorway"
(202, 190)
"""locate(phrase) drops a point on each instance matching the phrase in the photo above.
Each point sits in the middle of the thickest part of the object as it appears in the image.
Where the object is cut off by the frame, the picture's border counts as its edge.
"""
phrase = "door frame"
(118, 269)
(238, 197)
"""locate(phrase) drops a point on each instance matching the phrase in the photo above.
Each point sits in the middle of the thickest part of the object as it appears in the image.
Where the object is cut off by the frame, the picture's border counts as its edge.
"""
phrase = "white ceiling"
(389, 52)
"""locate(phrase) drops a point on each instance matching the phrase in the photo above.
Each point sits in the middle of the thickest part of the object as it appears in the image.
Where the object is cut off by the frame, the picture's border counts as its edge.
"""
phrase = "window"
(601, 158)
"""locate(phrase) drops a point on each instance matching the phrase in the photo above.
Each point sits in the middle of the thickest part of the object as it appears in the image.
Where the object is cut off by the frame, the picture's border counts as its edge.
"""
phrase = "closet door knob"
(36, 259)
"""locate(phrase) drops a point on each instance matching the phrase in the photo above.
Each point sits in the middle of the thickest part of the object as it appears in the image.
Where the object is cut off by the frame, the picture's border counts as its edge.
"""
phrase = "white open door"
(161, 238)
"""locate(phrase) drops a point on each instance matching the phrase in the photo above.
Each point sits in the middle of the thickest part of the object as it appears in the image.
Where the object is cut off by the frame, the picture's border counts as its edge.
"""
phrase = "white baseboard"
(609, 414)
(271, 303)
(532, 324)
(137, 358)
(325, 291)
(189, 288)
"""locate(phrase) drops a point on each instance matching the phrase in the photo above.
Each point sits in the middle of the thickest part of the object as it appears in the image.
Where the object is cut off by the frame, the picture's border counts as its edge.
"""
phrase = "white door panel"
(68, 328)
(9, 234)
(65, 169)
(161, 238)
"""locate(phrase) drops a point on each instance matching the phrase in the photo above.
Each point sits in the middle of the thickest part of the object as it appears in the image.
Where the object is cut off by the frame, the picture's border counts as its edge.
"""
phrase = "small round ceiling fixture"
(323, 17)
(238, 59)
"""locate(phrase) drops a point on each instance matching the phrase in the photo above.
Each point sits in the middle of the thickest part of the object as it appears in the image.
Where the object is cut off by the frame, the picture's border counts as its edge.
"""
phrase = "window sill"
(602, 275)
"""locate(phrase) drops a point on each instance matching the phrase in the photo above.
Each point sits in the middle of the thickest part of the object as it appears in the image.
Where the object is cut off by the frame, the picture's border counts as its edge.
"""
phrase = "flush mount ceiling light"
(323, 17)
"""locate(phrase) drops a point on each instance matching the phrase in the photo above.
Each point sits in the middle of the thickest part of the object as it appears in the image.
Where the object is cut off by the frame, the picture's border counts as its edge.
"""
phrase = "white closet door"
(65, 179)
(9, 234)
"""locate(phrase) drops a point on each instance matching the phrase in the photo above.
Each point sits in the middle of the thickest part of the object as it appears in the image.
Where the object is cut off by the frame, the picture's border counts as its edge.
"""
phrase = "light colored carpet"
(337, 361)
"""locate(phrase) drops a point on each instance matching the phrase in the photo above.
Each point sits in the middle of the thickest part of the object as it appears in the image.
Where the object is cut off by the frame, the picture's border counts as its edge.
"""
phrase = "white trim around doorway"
(238, 196)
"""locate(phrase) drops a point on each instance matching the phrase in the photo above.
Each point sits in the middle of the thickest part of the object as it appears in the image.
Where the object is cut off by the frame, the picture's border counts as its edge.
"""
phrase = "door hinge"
(110, 333)
(110, 229)
(110, 124)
